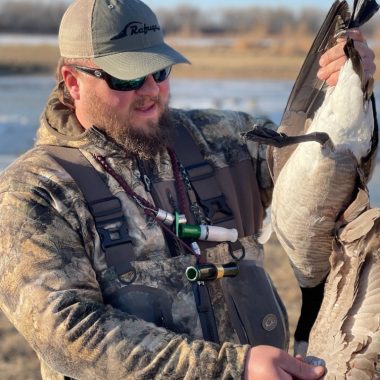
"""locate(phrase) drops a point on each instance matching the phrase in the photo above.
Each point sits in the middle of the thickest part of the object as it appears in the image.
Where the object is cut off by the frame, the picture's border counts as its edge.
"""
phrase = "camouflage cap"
(122, 37)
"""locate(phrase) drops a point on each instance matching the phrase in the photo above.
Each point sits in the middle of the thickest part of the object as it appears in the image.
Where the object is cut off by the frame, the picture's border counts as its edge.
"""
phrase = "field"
(249, 57)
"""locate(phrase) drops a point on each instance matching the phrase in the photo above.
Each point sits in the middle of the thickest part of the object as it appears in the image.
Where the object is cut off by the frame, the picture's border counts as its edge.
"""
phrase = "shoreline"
(214, 62)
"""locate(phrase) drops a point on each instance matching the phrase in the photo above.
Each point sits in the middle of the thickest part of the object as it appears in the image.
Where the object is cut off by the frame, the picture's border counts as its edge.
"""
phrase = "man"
(89, 309)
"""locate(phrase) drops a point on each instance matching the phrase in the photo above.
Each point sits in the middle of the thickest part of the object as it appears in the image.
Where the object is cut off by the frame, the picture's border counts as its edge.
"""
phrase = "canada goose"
(316, 182)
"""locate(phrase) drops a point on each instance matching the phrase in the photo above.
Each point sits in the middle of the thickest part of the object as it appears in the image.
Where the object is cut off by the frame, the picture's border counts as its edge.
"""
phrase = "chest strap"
(202, 178)
(105, 208)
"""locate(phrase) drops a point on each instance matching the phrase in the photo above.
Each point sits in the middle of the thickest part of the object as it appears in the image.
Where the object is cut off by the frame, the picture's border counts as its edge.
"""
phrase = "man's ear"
(70, 77)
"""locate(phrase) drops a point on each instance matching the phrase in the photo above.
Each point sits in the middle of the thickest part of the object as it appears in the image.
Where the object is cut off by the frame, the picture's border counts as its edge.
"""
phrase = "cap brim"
(136, 64)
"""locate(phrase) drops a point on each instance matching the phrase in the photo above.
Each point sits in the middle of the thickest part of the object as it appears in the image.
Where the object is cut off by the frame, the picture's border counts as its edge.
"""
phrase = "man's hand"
(334, 58)
(270, 363)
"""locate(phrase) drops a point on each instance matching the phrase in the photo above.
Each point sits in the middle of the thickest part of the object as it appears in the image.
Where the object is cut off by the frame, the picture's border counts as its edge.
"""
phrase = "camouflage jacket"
(51, 261)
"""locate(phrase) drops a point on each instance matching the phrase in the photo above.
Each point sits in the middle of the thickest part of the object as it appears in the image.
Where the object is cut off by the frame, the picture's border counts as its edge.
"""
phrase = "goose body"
(318, 182)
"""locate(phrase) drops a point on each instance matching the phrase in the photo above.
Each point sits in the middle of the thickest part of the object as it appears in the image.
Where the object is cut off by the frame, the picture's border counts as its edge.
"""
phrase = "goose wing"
(346, 333)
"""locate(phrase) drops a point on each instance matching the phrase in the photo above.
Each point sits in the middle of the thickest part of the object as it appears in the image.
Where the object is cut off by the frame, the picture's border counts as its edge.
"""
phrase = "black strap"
(205, 312)
(202, 178)
(104, 207)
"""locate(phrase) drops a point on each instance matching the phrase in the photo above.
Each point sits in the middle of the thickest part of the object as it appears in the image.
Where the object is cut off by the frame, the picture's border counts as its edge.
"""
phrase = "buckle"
(234, 248)
(110, 237)
(217, 205)
(106, 212)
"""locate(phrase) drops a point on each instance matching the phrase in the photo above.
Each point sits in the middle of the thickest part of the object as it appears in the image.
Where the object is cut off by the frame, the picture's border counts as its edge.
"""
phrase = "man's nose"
(150, 87)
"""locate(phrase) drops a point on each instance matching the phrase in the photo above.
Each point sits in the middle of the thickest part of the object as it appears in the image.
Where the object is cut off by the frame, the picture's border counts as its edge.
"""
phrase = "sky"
(210, 4)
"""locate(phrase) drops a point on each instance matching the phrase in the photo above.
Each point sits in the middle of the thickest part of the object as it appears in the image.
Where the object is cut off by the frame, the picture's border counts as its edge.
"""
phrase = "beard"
(134, 140)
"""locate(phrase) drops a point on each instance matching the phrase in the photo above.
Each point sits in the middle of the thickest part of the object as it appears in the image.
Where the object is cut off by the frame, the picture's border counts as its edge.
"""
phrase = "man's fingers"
(332, 80)
(333, 59)
(299, 369)
(337, 50)
(331, 55)
(332, 69)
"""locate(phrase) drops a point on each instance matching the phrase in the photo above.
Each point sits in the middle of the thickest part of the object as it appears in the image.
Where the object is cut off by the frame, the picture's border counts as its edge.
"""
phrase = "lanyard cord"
(148, 208)
(183, 186)
(179, 184)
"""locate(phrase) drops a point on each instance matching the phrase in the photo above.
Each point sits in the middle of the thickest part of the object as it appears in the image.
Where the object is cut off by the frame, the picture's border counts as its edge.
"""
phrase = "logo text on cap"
(135, 27)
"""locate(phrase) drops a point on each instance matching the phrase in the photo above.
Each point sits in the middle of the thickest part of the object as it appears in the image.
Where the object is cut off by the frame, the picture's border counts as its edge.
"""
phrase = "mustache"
(145, 99)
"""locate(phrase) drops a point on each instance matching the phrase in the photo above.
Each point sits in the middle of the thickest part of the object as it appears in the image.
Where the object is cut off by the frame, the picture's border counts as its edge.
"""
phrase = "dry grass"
(28, 59)
(246, 58)
(278, 267)
(233, 63)
(250, 56)
(17, 359)
(216, 62)
(281, 61)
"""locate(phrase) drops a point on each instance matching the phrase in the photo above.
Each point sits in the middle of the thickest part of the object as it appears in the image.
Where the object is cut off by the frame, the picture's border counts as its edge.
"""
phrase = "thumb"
(303, 371)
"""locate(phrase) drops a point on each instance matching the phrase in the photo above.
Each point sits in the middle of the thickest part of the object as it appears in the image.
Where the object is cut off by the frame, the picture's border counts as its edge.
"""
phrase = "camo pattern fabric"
(52, 264)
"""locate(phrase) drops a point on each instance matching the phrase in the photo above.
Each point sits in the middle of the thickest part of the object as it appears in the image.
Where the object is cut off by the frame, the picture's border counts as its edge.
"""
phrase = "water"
(22, 100)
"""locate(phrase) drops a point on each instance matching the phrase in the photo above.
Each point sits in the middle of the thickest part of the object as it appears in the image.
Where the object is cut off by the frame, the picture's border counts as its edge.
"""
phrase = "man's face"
(133, 118)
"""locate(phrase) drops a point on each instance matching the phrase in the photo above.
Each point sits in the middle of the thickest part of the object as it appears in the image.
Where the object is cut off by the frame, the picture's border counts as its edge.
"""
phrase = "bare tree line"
(239, 20)
(26, 17)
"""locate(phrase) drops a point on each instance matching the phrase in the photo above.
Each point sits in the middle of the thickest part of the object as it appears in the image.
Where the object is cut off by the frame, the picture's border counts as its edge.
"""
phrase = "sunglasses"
(121, 84)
